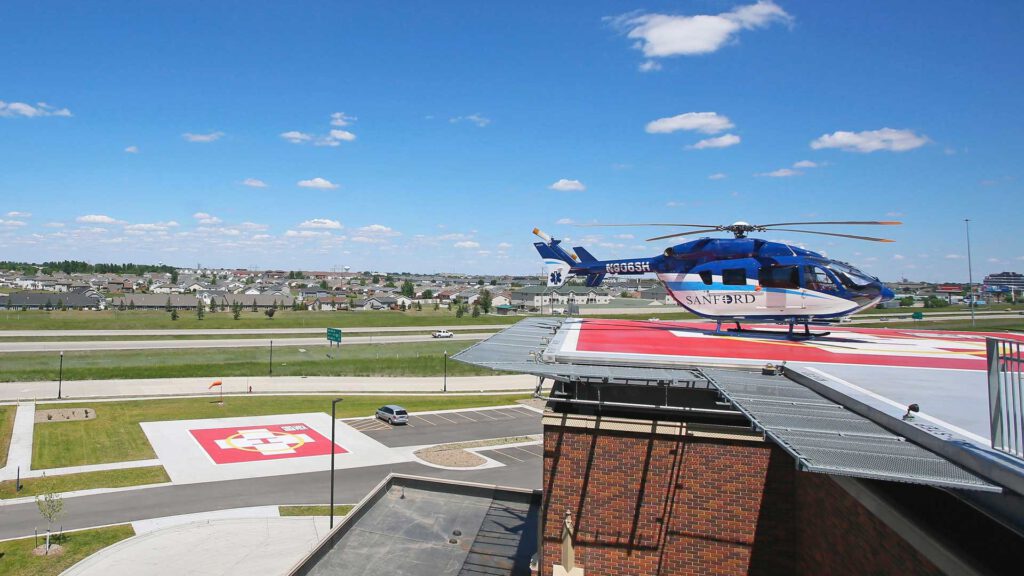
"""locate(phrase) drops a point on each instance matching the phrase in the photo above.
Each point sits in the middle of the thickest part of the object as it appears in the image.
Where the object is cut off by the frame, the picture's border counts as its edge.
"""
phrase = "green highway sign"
(334, 335)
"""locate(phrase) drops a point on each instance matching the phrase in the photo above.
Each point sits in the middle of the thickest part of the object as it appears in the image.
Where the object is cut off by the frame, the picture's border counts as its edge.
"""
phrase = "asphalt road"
(523, 469)
(240, 331)
(6, 346)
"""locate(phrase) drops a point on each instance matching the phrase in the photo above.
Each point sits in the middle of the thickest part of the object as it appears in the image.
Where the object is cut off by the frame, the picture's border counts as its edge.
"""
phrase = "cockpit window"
(705, 276)
(817, 279)
(850, 276)
(734, 277)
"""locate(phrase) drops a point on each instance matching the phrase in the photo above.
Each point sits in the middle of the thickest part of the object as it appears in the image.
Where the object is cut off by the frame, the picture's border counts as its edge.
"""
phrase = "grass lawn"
(982, 324)
(85, 480)
(339, 510)
(115, 435)
(16, 558)
(152, 319)
(404, 359)
(6, 429)
(5, 337)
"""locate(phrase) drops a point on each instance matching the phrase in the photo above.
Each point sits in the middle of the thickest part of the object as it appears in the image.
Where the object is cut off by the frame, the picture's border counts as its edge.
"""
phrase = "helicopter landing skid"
(791, 335)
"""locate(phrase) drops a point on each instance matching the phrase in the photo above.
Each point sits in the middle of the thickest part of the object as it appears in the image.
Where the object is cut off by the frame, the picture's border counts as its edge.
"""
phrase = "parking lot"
(452, 426)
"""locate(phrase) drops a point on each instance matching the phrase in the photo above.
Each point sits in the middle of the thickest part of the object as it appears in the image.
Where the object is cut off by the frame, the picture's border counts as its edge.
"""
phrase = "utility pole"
(271, 357)
(970, 272)
(60, 378)
(445, 371)
(334, 404)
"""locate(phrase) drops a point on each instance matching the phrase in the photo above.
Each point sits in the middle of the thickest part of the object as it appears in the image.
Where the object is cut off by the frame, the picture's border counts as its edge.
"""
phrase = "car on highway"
(442, 334)
(393, 414)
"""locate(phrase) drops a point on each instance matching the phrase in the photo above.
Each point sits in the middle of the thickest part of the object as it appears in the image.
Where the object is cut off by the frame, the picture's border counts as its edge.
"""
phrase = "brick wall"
(647, 504)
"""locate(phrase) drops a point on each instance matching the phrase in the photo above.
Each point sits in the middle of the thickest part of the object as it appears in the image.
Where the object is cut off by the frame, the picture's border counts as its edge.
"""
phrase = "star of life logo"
(267, 442)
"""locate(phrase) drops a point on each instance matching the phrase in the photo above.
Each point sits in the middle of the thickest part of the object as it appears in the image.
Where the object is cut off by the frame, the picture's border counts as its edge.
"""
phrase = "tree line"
(79, 267)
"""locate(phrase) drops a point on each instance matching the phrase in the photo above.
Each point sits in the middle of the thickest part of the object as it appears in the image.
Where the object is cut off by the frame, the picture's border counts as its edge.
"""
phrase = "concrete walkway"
(76, 390)
(20, 452)
(243, 331)
(224, 547)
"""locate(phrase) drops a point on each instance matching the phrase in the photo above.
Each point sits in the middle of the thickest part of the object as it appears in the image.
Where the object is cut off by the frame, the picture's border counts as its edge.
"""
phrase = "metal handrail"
(1006, 394)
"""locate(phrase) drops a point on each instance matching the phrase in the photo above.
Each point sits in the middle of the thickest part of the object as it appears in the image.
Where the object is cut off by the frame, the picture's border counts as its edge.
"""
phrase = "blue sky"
(434, 136)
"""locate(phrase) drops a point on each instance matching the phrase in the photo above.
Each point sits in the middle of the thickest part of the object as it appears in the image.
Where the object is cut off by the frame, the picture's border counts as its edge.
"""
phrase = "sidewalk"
(20, 452)
(83, 389)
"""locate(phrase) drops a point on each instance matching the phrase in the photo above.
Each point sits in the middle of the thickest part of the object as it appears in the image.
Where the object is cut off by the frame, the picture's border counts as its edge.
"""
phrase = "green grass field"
(5, 337)
(6, 428)
(981, 325)
(115, 434)
(85, 480)
(151, 319)
(16, 558)
(325, 510)
(405, 359)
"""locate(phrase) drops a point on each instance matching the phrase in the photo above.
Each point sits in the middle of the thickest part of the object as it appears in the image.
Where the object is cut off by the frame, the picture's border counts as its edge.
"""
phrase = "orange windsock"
(216, 383)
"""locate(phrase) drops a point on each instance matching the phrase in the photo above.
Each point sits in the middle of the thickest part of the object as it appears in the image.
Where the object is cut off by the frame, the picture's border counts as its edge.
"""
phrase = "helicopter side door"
(781, 285)
(723, 288)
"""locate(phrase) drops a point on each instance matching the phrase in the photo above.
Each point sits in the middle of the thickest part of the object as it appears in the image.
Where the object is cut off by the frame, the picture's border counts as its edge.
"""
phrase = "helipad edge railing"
(1006, 394)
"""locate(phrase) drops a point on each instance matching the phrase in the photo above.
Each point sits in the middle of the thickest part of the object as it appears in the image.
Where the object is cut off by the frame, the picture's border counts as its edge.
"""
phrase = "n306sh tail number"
(626, 267)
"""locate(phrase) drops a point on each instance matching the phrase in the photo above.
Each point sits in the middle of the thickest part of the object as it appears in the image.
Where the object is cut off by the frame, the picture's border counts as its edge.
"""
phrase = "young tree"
(51, 507)
(323, 284)
(174, 276)
(419, 306)
(200, 309)
(476, 310)
(402, 307)
(60, 304)
(236, 310)
(485, 300)
(174, 314)
(168, 306)
(408, 289)
(213, 281)
(49, 304)
(459, 312)
(907, 301)
(254, 307)
(436, 306)
(428, 294)
(270, 312)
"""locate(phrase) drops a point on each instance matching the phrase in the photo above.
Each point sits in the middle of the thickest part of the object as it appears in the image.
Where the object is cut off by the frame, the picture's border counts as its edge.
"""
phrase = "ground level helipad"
(943, 371)
(255, 446)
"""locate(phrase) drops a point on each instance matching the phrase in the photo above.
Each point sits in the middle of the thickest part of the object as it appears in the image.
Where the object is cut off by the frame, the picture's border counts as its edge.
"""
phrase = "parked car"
(845, 319)
(393, 414)
(442, 334)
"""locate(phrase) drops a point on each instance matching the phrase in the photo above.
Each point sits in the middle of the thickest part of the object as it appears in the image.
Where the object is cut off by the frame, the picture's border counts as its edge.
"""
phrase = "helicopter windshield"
(850, 276)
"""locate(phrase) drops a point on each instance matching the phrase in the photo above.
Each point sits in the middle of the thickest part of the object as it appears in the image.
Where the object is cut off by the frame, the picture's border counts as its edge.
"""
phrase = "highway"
(522, 469)
(84, 345)
(241, 331)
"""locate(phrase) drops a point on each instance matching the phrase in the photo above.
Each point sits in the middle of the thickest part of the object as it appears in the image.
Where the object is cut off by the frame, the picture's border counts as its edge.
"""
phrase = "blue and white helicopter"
(740, 278)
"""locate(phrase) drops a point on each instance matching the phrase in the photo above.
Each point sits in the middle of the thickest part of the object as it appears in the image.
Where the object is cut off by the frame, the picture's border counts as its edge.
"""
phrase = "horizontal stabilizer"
(585, 257)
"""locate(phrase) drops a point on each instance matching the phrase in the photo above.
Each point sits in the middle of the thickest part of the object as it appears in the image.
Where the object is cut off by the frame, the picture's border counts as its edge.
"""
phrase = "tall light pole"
(60, 378)
(271, 357)
(970, 272)
(334, 404)
(445, 389)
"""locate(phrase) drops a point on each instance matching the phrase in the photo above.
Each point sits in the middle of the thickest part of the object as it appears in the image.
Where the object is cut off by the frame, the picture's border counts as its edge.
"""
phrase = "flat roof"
(412, 526)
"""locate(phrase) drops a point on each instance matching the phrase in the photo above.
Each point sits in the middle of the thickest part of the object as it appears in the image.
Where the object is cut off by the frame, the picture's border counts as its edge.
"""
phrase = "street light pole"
(271, 357)
(60, 379)
(334, 404)
(445, 389)
(970, 273)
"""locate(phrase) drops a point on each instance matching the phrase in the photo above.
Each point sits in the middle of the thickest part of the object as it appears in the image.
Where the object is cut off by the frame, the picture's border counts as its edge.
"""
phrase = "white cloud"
(781, 173)
(805, 164)
(342, 119)
(871, 140)
(151, 227)
(54, 224)
(211, 137)
(723, 141)
(252, 226)
(565, 185)
(378, 230)
(367, 240)
(625, 236)
(649, 66)
(206, 219)
(894, 214)
(504, 246)
(296, 137)
(254, 183)
(342, 135)
(322, 223)
(305, 234)
(565, 221)
(132, 149)
(320, 183)
(898, 257)
(98, 219)
(662, 35)
(12, 223)
(478, 119)
(703, 122)
(17, 214)
(12, 109)
(717, 176)
(954, 257)
(467, 244)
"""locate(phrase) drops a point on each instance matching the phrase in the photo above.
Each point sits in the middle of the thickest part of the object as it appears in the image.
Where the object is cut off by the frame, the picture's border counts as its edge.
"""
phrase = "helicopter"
(738, 279)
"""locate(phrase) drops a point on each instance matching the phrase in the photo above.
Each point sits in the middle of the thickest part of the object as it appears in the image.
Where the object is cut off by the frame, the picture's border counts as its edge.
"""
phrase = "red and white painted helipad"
(660, 341)
(942, 371)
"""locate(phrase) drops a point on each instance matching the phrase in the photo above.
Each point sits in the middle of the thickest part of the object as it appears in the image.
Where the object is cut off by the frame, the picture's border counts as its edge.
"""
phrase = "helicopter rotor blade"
(858, 222)
(713, 226)
(683, 234)
(833, 234)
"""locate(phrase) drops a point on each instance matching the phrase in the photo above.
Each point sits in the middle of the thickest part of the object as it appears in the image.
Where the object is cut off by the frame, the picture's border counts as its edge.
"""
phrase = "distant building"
(1012, 280)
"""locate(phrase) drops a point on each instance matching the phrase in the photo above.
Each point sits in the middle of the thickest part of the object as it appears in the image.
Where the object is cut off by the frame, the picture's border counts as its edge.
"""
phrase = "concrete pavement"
(77, 390)
(89, 345)
(19, 455)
